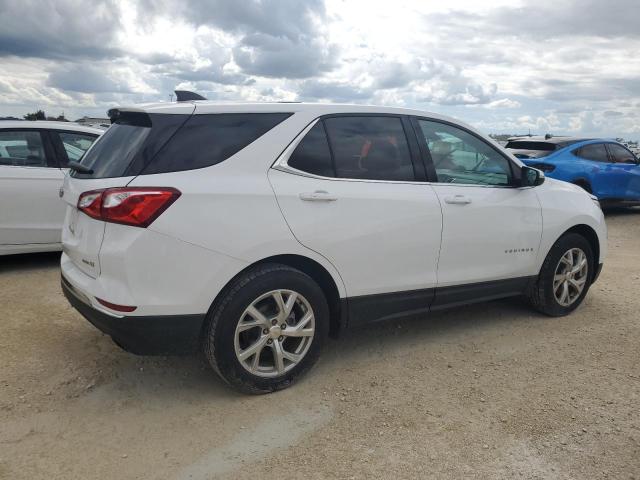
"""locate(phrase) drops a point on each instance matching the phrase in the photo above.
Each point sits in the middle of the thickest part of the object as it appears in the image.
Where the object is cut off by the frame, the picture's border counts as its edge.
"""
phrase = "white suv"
(253, 231)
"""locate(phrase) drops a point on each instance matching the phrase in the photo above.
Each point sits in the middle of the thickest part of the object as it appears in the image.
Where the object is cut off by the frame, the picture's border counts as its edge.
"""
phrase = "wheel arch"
(322, 276)
(584, 183)
(590, 235)
(317, 272)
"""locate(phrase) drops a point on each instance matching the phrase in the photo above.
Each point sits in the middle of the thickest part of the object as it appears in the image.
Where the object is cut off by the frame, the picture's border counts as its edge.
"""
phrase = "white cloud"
(503, 103)
(570, 68)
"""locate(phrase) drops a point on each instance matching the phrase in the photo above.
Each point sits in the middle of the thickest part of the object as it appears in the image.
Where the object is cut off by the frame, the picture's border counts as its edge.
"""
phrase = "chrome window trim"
(281, 164)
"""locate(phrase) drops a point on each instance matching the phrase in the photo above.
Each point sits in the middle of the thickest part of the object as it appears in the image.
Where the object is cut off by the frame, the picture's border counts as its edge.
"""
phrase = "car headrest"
(440, 147)
(382, 155)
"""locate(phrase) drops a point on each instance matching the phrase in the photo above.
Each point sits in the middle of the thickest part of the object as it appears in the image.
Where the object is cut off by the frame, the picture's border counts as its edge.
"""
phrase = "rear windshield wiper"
(78, 167)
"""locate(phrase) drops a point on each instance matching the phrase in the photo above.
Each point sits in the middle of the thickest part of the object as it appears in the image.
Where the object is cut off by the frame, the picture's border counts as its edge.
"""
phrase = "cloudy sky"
(561, 66)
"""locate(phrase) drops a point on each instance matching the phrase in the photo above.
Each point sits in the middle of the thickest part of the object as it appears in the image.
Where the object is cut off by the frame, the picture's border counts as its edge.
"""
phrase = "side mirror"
(531, 177)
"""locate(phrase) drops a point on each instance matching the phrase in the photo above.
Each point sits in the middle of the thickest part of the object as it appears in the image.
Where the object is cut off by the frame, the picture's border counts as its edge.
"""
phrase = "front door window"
(462, 158)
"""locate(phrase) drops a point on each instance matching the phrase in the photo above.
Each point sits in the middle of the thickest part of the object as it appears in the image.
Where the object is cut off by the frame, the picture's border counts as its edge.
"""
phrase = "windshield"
(531, 145)
(115, 150)
(144, 144)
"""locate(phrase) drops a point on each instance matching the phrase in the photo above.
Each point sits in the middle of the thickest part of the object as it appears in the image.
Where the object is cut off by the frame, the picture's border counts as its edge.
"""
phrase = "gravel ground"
(485, 391)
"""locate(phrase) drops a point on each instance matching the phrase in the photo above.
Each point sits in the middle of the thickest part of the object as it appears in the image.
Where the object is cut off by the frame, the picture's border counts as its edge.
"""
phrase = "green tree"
(39, 115)
(59, 118)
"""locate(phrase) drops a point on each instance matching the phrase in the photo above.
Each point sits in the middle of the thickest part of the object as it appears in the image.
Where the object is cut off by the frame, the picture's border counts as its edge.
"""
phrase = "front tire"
(565, 276)
(266, 329)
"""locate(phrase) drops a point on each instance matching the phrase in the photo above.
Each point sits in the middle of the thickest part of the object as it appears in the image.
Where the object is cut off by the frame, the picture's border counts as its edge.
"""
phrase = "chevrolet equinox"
(254, 231)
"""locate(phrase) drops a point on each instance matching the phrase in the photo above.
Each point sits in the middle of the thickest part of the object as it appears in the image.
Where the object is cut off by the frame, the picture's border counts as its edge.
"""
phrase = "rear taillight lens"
(136, 206)
(91, 203)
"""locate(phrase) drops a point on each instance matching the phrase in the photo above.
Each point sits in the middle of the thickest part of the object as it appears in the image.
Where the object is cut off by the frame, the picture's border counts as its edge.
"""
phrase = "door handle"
(318, 196)
(458, 200)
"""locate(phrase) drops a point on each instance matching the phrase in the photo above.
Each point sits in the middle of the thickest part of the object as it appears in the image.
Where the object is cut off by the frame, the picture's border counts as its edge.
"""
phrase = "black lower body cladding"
(152, 335)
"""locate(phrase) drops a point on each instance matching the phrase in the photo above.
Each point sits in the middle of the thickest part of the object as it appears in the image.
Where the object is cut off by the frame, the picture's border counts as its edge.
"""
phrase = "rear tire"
(277, 311)
(556, 291)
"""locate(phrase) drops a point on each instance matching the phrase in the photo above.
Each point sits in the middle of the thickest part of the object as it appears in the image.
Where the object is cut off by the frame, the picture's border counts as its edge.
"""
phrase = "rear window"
(594, 151)
(527, 145)
(129, 144)
(206, 140)
(142, 144)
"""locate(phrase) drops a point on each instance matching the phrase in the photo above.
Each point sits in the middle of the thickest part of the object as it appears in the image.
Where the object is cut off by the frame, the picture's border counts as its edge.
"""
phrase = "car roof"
(558, 140)
(203, 107)
(312, 110)
(48, 125)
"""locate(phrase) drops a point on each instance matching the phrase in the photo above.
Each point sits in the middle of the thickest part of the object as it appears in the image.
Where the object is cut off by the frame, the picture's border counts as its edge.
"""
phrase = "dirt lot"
(487, 391)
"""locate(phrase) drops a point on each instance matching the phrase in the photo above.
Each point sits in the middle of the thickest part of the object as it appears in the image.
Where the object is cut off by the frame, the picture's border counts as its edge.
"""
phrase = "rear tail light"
(90, 203)
(135, 206)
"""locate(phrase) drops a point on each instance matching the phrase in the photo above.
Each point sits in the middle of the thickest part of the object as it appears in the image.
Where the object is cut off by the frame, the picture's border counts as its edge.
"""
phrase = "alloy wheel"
(570, 276)
(274, 333)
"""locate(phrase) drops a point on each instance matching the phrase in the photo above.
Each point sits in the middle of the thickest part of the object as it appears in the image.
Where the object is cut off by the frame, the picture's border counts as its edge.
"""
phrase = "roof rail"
(186, 95)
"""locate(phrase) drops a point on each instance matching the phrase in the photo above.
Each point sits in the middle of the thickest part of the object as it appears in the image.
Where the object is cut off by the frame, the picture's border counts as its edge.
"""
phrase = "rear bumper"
(147, 335)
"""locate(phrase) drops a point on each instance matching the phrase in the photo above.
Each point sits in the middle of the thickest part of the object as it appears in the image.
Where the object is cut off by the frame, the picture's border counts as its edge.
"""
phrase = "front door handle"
(458, 200)
(318, 196)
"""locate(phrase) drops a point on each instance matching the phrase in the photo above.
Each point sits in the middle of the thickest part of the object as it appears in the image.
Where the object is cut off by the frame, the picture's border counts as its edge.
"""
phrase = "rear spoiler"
(120, 113)
(131, 116)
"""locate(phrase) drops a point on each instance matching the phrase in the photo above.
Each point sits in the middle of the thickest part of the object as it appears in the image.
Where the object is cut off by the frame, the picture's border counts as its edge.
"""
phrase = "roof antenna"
(186, 95)
(548, 136)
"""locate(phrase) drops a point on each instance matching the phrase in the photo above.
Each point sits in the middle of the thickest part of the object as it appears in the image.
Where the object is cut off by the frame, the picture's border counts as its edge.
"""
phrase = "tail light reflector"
(135, 206)
(115, 306)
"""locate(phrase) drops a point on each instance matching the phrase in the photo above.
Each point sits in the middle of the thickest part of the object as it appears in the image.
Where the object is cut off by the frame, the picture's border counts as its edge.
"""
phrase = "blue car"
(605, 168)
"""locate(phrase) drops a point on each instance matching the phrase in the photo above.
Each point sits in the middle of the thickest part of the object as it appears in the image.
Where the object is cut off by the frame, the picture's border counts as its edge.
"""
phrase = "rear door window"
(312, 155)
(370, 148)
(595, 152)
(22, 148)
(621, 154)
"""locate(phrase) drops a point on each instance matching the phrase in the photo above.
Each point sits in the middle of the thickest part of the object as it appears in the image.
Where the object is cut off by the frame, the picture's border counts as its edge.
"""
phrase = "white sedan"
(33, 162)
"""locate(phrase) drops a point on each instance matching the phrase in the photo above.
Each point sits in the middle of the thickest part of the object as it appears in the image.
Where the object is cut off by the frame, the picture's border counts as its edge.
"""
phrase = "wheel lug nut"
(280, 337)
(283, 326)
(269, 341)
(265, 331)
(273, 322)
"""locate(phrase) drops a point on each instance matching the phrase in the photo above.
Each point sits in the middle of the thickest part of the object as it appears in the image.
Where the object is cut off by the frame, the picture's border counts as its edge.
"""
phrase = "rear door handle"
(318, 196)
(458, 200)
